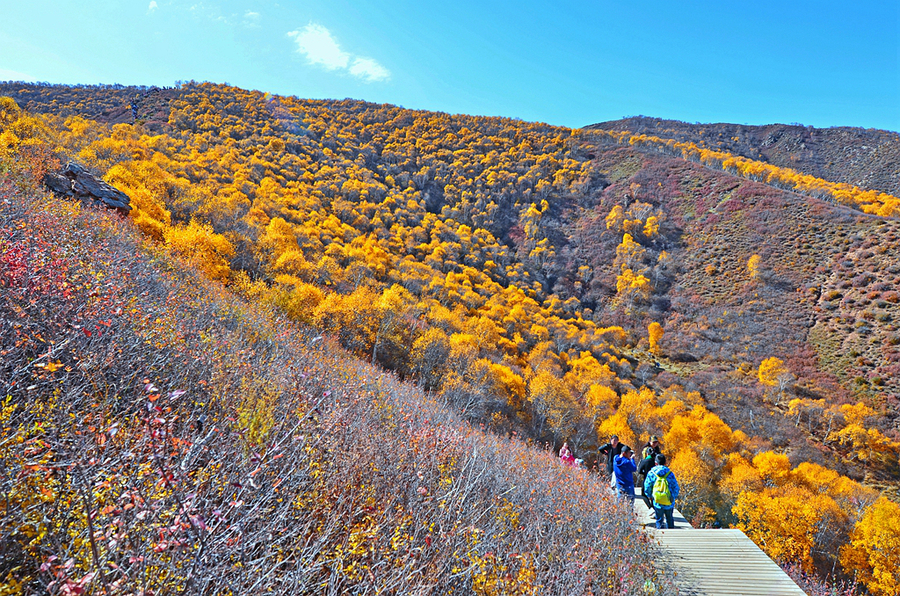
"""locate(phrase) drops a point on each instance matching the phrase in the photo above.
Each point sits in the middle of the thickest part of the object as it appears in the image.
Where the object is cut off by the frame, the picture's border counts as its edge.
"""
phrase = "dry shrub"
(161, 436)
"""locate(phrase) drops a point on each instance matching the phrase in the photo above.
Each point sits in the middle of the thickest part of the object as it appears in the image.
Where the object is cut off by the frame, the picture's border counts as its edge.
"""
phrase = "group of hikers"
(659, 487)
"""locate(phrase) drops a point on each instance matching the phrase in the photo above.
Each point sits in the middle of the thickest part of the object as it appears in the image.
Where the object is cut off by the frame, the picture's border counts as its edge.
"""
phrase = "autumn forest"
(334, 346)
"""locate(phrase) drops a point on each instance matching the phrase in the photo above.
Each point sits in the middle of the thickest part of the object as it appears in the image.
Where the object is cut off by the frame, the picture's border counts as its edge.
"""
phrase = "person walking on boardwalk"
(648, 460)
(652, 448)
(611, 450)
(623, 470)
(662, 487)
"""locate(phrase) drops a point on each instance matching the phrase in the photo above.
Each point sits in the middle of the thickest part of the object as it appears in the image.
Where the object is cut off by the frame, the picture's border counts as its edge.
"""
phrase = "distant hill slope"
(568, 255)
(161, 435)
(867, 158)
(560, 284)
(824, 298)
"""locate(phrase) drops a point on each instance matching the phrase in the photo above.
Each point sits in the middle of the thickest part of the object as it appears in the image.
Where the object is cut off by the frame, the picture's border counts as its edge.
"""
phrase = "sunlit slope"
(863, 157)
(436, 244)
(161, 435)
(560, 284)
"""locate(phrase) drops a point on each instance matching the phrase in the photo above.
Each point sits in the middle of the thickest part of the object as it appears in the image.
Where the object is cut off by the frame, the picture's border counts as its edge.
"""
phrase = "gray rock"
(75, 181)
(59, 184)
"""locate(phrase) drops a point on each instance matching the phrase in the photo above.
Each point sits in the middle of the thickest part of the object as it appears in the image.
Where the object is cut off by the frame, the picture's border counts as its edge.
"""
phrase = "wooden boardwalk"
(716, 562)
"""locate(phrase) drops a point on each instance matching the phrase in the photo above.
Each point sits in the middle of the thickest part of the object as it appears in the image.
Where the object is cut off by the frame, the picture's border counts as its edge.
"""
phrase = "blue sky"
(568, 62)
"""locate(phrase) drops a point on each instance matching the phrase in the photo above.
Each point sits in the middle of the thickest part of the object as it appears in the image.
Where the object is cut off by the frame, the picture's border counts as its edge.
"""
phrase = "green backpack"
(661, 493)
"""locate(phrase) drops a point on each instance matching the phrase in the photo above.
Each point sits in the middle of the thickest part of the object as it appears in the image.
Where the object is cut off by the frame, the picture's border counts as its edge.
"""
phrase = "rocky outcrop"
(75, 181)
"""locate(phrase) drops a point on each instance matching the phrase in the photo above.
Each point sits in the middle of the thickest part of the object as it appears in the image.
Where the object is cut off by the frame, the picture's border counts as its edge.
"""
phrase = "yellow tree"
(197, 244)
(639, 408)
(585, 371)
(510, 385)
(773, 373)
(296, 298)
(632, 287)
(553, 402)
(9, 111)
(630, 254)
(865, 443)
(600, 401)
(144, 182)
(277, 240)
(430, 352)
(651, 227)
(354, 318)
(739, 476)
(392, 330)
(784, 521)
(615, 218)
(753, 265)
(874, 549)
(655, 333)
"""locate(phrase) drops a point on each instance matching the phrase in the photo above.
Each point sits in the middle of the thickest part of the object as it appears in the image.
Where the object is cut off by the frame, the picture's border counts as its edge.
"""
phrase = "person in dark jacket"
(652, 448)
(664, 513)
(648, 460)
(623, 471)
(611, 450)
(643, 469)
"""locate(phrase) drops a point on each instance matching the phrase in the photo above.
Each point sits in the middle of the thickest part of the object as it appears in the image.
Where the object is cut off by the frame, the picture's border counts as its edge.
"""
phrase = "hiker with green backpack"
(662, 487)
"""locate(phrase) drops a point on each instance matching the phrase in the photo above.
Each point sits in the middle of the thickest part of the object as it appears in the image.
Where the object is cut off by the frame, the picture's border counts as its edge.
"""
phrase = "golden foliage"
(654, 334)
(874, 548)
(740, 476)
(771, 370)
(202, 248)
(784, 521)
(753, 265)
(774, 468)
(601, 401)
(552, 400)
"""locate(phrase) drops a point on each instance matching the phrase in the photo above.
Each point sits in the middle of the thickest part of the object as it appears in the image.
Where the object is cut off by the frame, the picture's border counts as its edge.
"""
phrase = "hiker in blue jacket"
(611, 450)
(664, 516)
(624, 469)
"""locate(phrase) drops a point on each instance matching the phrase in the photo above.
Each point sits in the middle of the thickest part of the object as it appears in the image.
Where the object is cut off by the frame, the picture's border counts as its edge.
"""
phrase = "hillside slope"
(559, 284)
(161, 435)
(864, 157)
(822, 299)
(514, 219)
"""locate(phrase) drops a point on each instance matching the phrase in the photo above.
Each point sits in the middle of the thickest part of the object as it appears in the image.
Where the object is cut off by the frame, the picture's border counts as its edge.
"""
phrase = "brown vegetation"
(544, 281)
(160, 435)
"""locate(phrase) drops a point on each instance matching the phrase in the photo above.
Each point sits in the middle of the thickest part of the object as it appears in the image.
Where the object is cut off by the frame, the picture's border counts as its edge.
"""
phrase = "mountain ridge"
(864, 157)
(517, 270)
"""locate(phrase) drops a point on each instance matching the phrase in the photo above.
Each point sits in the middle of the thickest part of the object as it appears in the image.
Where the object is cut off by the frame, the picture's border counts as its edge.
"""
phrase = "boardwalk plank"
(715, 562)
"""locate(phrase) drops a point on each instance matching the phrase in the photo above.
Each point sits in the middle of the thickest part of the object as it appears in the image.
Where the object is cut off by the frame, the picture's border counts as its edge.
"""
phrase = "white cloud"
(251, 19)
(14, 75)
(369, 69)
(316, 43)
(321, 48)
(153, 6)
